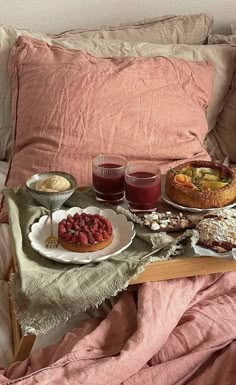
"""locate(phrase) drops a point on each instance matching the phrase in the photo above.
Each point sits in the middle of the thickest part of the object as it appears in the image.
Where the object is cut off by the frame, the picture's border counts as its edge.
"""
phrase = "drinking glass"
(142, 185)
(108, 178)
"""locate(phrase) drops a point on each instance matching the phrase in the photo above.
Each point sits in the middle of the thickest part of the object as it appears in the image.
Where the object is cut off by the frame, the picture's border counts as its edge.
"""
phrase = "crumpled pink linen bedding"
(176, 332)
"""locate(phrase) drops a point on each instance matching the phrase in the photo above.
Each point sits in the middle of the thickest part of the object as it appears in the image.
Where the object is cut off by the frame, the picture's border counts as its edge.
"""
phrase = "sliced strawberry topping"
(82, 238)
(68, 237)
(91, 239)
(105, 234)
(85, 228)
(98, 237)
(76, 227)
(61, 229)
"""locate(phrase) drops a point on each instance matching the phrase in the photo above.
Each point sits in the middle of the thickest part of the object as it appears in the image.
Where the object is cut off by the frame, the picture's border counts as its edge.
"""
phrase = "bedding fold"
(177, 332)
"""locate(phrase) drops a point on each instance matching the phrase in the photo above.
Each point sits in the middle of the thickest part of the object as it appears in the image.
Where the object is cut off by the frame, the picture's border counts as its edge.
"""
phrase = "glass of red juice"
(142, 185)
(108, 178)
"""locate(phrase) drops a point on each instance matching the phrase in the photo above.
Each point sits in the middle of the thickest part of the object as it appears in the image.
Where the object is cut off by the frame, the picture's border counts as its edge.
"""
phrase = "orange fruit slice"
(182, 179)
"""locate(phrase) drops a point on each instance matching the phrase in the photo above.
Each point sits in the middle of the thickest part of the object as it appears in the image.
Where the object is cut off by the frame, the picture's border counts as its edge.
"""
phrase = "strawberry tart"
(85, 232)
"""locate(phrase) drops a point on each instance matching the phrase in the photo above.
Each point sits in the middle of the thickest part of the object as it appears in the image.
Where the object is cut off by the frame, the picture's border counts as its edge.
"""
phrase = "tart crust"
(77, 247)
(201, 199)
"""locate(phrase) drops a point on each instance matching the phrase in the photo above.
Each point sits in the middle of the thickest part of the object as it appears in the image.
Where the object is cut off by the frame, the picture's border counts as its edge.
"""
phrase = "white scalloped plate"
(123, 232)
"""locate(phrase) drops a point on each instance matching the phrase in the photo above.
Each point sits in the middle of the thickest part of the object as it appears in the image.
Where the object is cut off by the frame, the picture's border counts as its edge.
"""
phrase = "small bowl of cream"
(51, 189)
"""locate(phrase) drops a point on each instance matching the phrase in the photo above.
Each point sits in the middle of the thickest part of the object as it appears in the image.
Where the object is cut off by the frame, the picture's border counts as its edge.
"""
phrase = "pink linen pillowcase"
(69, 106)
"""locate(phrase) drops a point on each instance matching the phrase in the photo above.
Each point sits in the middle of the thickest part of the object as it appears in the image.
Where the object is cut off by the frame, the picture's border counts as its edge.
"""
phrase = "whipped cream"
(54, 183)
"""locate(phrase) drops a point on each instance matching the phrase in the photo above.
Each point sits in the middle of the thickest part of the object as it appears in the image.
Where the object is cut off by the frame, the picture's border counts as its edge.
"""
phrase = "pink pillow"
(69, 106)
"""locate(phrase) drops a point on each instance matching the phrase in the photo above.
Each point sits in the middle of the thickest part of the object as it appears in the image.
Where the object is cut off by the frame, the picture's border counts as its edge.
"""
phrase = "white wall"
(60, 15)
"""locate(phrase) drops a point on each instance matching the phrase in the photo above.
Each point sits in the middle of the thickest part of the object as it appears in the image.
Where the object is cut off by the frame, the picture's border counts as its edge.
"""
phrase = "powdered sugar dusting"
(218, 227)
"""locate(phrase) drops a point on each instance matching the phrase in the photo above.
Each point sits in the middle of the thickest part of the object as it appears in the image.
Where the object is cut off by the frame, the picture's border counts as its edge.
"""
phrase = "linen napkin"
(46, 292)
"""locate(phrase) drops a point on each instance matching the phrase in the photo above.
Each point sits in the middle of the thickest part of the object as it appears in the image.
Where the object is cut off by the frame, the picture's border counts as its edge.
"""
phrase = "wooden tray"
(157, 271)
(184, 267)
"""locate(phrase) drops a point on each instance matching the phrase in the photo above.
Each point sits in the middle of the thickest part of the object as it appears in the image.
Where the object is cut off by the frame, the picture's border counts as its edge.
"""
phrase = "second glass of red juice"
(108, 178)
(142, 185)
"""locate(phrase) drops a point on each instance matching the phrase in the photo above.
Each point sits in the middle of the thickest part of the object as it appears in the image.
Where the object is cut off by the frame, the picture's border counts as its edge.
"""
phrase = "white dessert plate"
(123, 233)
(190, 209)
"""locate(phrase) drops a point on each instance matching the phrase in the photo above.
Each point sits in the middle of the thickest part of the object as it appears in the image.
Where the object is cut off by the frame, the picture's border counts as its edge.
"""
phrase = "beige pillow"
(224, 133)
(190, 29)
(233, 28)
(222, 139)
(221, 39)
(222, 57)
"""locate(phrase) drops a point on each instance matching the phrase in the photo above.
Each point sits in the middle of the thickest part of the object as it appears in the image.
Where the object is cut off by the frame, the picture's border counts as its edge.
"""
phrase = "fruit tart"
(201, 184)
(85, 232)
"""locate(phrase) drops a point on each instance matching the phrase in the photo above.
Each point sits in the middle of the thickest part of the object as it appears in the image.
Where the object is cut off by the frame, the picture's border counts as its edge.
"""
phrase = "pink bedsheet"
(178, 332)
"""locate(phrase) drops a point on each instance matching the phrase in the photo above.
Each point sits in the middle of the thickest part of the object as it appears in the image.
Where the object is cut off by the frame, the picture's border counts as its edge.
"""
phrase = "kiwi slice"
(213, 185)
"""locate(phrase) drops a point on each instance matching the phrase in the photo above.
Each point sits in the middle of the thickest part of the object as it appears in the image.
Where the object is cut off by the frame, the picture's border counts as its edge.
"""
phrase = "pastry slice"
(217, 230)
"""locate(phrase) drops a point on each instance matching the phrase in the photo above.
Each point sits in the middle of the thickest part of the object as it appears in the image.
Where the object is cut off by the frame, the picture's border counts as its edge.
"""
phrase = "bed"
(154, 341)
